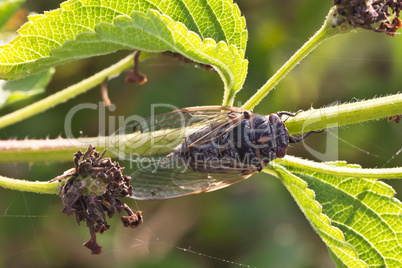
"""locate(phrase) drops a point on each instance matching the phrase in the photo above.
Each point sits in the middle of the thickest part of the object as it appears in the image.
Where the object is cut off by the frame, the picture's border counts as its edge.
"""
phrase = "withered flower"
(92, 189)
(375, 15)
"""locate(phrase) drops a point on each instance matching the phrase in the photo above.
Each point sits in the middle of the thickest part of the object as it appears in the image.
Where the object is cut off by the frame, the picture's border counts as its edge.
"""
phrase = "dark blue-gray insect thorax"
(247, 143)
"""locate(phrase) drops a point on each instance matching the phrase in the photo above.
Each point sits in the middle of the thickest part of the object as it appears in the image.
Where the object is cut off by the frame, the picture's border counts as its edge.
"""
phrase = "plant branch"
(41, 187)
(46, 150)
(65, 94)
(329, 29)
(345, 114)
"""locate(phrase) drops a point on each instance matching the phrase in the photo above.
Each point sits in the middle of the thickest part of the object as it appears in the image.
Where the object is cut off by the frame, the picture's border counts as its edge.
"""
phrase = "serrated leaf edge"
(232, 82)
(338, 236)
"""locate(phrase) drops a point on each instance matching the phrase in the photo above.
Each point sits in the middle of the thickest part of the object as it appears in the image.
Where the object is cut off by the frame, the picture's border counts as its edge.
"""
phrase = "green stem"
(47, 150)
(345, 114)
(377, 173)
(65, 94)
(62, 149)
(328, 30)
(41, 187)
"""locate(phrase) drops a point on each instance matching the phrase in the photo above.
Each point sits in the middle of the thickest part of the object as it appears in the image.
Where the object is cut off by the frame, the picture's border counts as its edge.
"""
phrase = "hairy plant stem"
(66, 94)
(329, 29)
(345, 114)
(46, 150)
(41, 187)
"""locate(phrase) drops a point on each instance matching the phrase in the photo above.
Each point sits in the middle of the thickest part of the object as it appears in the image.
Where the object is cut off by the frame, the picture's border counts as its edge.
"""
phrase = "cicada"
(199, 149)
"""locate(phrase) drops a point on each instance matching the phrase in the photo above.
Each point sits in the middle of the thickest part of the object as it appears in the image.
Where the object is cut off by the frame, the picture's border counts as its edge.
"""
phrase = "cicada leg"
(288, 113)
(291, 138)
(296, 140)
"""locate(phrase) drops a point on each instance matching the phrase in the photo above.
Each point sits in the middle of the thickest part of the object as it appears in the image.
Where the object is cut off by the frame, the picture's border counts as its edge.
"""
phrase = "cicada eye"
(274, 118)
(246, 114)
(280, 152)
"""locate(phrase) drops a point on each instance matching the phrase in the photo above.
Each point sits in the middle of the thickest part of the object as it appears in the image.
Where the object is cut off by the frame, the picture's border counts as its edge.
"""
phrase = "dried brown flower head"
(92, 189)
(374, 15)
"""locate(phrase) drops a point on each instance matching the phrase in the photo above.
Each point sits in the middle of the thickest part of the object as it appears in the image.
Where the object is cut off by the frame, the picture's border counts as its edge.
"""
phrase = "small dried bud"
(390, 28)
(134, 76)
(92, 189)
(397, 118)
(132, 220)
(374, 15)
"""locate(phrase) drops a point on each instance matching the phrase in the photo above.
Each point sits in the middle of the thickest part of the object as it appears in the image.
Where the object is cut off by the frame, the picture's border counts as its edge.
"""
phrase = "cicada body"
(246, 142)
(199, 149)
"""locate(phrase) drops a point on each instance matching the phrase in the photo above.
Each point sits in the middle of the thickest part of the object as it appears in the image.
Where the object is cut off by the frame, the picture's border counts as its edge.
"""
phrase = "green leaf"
(358, 219)
(7, 9)
(210, 32)
(13, 91)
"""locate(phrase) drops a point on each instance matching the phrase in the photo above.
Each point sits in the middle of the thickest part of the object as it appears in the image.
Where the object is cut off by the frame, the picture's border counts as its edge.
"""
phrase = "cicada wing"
(155, 137)
(172, 178)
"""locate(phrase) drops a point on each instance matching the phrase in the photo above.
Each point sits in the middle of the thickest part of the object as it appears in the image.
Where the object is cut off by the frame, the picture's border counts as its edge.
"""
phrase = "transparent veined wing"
(172, 178)
(155, 137)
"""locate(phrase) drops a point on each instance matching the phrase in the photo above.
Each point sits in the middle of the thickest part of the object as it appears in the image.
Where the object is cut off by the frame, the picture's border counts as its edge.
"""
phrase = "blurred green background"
(252, 223)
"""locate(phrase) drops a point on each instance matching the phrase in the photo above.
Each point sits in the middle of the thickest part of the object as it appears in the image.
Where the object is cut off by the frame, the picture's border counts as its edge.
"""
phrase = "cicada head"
(280, 134)
(270, 137)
